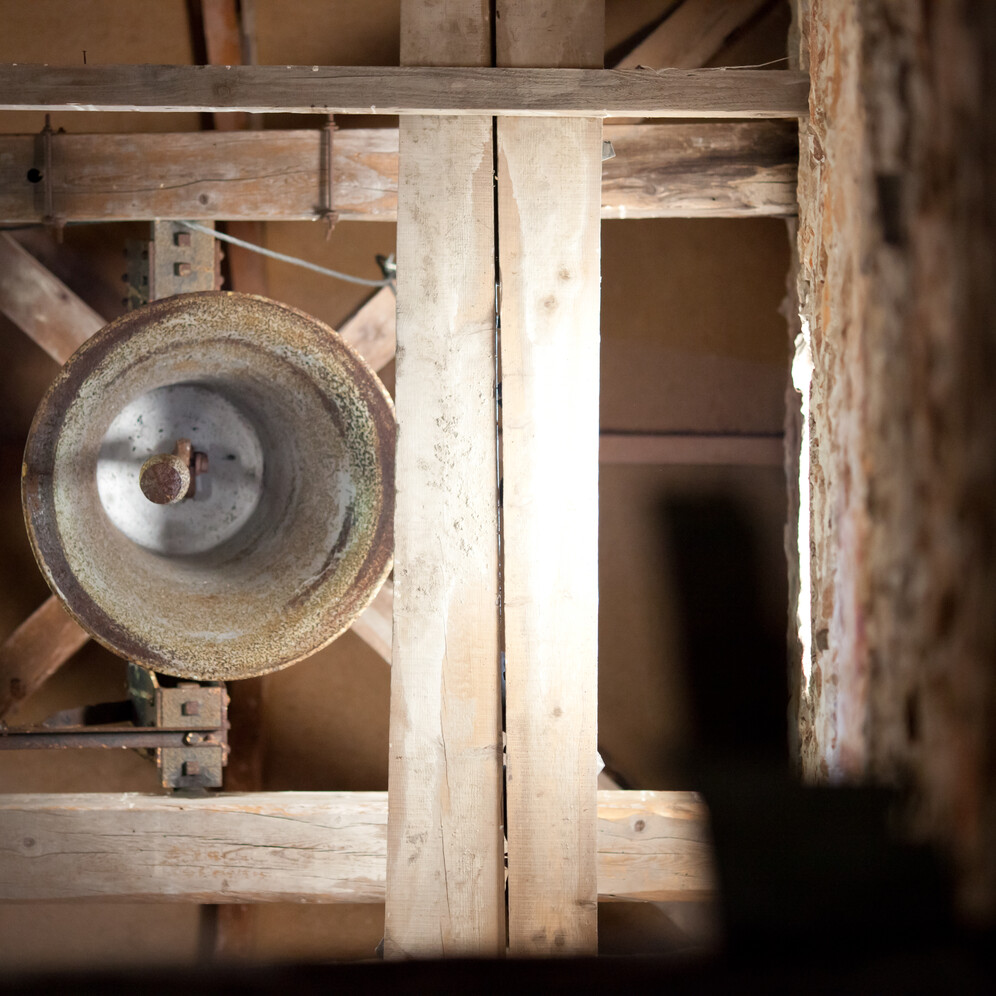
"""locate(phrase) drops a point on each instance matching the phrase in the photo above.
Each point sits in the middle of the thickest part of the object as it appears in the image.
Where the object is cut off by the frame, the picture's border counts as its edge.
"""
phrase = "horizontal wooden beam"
(298, 847)
(713, 169)
(732, 449)
(707, 169)
(636, 93)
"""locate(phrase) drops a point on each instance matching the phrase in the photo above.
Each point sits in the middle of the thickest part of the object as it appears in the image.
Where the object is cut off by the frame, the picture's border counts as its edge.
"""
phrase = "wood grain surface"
(313, 847)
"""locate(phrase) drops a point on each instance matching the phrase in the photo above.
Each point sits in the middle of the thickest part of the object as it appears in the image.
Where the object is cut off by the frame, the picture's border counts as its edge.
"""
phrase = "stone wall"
(897, 298)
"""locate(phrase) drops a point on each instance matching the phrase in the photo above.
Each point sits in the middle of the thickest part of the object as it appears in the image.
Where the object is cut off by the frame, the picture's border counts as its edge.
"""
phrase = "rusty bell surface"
(208, 485)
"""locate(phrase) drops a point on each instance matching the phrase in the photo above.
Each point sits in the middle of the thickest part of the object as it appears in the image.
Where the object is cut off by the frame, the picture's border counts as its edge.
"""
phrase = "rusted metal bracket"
(176, 260)
(183, 726)
(200, 709)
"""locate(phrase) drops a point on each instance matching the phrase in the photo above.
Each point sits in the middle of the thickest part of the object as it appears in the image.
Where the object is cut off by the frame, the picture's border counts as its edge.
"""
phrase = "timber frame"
(340, 847)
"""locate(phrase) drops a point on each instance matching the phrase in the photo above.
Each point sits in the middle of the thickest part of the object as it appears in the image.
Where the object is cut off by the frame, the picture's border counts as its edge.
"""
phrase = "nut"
(164, 478)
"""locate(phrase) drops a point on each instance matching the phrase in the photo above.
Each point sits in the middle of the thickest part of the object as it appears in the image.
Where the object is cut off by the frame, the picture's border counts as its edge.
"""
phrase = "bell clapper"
(168, 478)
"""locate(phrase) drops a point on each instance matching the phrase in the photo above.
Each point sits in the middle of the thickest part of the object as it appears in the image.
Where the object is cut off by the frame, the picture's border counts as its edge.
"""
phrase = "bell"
(208, 485)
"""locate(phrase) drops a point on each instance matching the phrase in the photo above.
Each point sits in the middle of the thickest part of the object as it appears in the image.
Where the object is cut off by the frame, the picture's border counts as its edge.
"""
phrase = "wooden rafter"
(691, 34)
(711, 169)
(445, 854)
(223, 41)
(665, 93)
(317, 847)
(41, 305)
(549, 172)
(35, 651)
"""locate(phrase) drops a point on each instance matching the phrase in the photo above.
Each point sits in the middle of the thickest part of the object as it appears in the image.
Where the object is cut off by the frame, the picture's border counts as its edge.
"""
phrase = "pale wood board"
(372, 329)
(549, 180)
(715, 169)
(41, 305)
(405, 90)
(374, 625)
(445, 867)
(691, 34)
(313, 847)
(721, 169)
(35, 651)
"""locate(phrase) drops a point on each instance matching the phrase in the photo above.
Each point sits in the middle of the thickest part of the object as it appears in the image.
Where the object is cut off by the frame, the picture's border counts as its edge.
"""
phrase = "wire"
(283, 257)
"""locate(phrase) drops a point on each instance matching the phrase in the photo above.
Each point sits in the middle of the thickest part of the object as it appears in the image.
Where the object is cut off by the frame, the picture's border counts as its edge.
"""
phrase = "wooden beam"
(405, 90)
(708, 169)
(732, 449)
(549, 180)
(223, 37)
(372, 330)
(720, 169)
(41, 305)
(268, 176)
(375, 626)
(691, 34)
(223, 45)
(35, 651)
(445, 857)
(312, 847)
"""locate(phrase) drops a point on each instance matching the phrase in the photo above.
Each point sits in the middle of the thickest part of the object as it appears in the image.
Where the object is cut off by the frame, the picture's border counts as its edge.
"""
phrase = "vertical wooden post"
(445, 870)
(549, 173)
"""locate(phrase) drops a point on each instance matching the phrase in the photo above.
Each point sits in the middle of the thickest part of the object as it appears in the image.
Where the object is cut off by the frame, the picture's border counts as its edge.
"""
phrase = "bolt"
(164, 478)
(192, 708)
(192, 739)
(182, 269)
(200, 463)
(182, 239)
(191, 768)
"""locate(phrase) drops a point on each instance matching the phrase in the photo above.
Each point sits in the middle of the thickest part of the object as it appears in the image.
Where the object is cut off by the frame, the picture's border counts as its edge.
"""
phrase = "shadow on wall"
(800, 867)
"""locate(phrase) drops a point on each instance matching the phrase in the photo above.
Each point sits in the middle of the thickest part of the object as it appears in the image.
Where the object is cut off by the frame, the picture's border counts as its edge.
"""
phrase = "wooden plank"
(405, 90)
(718, 169)
(223, 45)
(314, 847)
(731, 449)
(223, 36)
(271, 175)
(41, 305)
(549, 174)
(375, 625)
(372, 330)
(728, 169)
(691, 34)
(35, 651)
(445, 884)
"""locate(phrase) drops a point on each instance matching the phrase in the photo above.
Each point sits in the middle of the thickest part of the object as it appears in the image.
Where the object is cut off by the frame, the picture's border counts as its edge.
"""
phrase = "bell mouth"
(286, 532)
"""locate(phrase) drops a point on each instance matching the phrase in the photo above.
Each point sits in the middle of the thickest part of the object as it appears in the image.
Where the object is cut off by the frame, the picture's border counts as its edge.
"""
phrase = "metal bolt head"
(164, 479)
(182, 239)
(182, 269)
(191, 768)
(191, 708)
